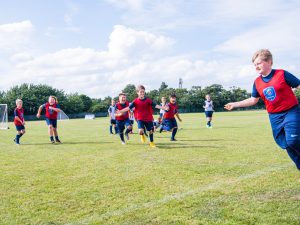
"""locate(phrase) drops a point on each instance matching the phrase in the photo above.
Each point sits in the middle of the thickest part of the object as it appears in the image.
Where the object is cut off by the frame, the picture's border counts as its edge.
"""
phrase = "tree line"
(189, 100)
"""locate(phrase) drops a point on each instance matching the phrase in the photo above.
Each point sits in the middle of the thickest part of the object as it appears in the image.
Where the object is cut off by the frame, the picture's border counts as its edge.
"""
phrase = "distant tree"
(162, 87)
(87, 102)
(130, 92)
(74, 104)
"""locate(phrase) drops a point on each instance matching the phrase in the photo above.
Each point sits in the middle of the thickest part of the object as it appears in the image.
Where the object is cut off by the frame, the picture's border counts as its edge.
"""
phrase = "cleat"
(143, 138)
(17, 143)
(53, 142)
(152, 145)
(58, 141)
(173, 139)
(123, 143)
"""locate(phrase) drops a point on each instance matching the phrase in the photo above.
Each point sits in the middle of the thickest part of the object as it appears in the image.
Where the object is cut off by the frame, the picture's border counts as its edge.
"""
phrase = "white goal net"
(3, 117)
(62, 116)
(89, 116)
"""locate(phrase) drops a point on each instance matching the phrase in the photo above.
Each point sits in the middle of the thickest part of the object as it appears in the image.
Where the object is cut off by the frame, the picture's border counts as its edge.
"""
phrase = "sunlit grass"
(231, 174)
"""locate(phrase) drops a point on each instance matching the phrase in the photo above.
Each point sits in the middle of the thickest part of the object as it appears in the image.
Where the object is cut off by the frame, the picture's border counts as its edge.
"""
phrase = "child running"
(170, 123)
(19, 121)
(111, 113)
(209, 110)
(274, 87)
(163, 103)
(143, 109)
(51, 110)
(122, 119)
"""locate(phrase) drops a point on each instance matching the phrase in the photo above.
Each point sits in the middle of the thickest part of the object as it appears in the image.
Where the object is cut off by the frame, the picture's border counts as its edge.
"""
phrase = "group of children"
(51, 112)
(122, 115)
(141, 109)
(273, 86)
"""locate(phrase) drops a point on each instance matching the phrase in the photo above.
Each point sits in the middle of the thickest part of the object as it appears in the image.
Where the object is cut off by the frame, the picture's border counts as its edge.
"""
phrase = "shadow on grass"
(70, 143)
(175, 145)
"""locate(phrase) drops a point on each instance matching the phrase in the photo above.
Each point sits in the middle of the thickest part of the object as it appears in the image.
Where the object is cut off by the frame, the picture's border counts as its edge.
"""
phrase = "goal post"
(89, 116)
(62, 116)
(3, 117)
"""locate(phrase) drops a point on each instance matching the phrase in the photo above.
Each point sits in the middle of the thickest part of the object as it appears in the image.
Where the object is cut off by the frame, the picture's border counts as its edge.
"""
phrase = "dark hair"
(140, 87)
(172, 96)
(122, 94)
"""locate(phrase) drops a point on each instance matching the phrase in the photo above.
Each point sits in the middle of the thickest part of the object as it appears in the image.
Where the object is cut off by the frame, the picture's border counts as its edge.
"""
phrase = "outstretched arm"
(245, 103)
(55, 109)
(120, 112)
(38, 115)
(165, 107)
(177, 115)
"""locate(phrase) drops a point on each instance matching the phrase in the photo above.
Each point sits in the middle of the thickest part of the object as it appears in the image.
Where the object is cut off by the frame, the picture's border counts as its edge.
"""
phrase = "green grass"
(231, 174)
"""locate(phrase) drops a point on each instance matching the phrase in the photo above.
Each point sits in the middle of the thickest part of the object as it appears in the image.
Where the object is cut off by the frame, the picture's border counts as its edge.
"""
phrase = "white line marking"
(178, 196)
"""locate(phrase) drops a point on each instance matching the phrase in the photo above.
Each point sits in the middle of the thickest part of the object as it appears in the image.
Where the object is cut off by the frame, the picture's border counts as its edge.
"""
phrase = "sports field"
(231, 174)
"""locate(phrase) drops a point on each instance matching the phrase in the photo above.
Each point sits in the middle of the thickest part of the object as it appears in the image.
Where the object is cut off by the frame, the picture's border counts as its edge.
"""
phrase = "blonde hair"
(52, 96)
(18, 100)
(264, 54)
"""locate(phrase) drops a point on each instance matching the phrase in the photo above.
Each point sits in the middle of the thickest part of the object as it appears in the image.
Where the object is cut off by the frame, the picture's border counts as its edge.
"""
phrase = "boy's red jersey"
(143, 109)
(173, 109)
(19, 113)
(51, 114)
(276, 94)
(119, 106)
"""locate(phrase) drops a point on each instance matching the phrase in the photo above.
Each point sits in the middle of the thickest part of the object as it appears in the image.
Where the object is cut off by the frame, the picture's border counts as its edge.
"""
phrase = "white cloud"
(133, 5)
(15, 36)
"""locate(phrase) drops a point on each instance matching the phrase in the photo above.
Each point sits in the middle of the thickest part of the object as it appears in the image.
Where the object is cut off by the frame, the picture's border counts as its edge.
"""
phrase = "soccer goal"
(89, 116)
(62, 116)
(3, 117)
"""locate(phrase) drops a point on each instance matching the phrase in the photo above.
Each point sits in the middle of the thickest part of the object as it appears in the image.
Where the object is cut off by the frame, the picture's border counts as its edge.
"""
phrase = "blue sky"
(97, 47)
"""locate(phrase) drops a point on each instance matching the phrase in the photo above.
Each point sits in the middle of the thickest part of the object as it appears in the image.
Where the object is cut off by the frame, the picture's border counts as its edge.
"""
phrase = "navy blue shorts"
(145, 124)
(52, 122)
(169, 124)
(20, 127)
(112, 121)
(285, 126)
(122, 123)
(209, 113)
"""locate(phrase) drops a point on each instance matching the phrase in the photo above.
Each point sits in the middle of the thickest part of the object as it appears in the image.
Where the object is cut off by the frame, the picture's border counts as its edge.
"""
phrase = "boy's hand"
(38, 115)
(229, 106)
(166, 107)
(23, 123)
(50, 107)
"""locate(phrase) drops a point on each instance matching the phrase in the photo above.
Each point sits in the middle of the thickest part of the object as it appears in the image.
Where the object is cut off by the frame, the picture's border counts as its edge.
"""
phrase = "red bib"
(119, 107)
(276, 94)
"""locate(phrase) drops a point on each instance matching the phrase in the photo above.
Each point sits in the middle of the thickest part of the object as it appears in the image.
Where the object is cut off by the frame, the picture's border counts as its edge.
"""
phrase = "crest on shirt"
(269, 93)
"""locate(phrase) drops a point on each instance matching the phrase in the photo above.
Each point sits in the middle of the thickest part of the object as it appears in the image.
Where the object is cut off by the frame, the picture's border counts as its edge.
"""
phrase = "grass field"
(231, 174)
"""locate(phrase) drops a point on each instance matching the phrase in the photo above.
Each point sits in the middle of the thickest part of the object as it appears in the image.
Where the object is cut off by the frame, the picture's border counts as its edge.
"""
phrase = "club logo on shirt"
(269, 93)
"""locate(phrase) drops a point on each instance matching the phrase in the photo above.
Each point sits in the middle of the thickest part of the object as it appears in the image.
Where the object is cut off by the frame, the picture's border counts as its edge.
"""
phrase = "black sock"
(18, 138)
(151, 137)
(127, 131)
(51, 138)
(174, 133)
(110, 129)
(56, 138)
(122, 137)
(116, 130)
